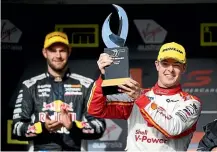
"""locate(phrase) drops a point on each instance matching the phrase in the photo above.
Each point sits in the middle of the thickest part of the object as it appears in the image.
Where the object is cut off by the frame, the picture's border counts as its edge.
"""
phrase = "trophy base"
(110, 86)
(114, 82)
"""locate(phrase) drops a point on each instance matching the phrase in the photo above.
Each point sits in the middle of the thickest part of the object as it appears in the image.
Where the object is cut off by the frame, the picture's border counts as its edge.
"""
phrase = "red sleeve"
(100, 106)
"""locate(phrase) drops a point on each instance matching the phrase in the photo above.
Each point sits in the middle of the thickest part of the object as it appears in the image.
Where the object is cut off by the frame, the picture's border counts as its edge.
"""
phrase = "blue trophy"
(118, 71)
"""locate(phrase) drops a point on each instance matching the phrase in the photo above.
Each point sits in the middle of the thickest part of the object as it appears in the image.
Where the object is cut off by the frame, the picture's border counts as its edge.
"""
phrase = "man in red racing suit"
(163, 117)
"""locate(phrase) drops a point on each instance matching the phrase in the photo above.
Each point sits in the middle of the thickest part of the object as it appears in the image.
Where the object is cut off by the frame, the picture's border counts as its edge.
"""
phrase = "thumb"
(64, 110)
(70, 116)
(103, 71)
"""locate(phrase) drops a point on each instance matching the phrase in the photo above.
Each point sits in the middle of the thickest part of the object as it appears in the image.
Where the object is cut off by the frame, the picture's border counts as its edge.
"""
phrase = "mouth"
(170, 76)
(57, 61)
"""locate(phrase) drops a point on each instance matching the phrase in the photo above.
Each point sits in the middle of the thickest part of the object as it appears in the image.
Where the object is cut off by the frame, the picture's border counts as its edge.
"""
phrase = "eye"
(177, 65)
(52, 50)
(164, 64)
(63, 50)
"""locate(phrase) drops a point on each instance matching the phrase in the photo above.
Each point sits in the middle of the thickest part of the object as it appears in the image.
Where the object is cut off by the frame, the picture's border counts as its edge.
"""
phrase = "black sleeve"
(22, 121)
(209, 140)
(91, 127)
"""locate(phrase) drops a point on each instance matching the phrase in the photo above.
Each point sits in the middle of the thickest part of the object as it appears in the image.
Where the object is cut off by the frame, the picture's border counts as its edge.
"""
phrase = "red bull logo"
(56, 116)
(36, 128)
(31, 129)
(56, 106)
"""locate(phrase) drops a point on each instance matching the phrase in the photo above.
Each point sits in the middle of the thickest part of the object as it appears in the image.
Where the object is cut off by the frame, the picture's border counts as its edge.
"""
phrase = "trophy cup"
(117, 73)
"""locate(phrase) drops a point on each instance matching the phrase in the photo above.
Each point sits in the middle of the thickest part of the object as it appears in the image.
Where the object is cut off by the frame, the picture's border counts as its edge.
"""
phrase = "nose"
(58, 54)
(170, 68)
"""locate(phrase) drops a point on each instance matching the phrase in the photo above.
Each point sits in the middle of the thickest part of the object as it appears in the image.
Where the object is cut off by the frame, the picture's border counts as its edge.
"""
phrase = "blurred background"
(193, 23)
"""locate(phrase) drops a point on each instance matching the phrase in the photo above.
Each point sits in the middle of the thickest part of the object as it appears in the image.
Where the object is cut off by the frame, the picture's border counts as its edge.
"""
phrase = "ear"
(184, 68)
(44, 52)
(70, 51)
(157, 65)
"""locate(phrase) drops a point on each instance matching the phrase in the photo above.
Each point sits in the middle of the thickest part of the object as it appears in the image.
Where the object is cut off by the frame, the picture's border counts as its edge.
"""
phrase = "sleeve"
(117, 106)
(173, 123)
(209, 140)
(22, 121)
(90, 127)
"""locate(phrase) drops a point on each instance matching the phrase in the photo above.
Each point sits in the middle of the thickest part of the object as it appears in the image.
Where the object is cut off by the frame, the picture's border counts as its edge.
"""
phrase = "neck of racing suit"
(166, 91)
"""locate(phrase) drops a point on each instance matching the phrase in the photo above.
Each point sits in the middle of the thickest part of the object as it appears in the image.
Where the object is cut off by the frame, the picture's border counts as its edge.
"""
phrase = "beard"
(55, 68)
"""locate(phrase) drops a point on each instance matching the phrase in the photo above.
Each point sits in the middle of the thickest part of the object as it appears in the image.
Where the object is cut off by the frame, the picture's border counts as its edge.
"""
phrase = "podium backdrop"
(25, 26)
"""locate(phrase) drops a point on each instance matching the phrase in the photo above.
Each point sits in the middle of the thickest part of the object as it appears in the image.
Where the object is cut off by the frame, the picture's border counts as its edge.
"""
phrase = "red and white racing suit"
(160, 119)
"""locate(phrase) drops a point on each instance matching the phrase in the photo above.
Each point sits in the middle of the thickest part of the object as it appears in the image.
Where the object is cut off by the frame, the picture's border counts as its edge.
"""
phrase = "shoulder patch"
(83, 80)
(33, 80)
(187, 96)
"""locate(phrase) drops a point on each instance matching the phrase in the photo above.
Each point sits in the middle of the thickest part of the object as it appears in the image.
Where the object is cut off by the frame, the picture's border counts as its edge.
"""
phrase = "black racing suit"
(209, 140)
(43, 94)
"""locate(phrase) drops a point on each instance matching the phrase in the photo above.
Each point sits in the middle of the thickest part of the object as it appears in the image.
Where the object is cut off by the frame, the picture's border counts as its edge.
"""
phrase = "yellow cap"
(55, 37)
(172, 50)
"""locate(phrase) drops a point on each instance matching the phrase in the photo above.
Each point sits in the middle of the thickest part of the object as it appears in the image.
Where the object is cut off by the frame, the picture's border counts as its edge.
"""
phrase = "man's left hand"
(65, 118)
(131, 88)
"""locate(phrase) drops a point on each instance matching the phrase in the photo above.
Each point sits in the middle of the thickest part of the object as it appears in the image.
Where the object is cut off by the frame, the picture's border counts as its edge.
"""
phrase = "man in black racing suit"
(51, 108)
(209, 140)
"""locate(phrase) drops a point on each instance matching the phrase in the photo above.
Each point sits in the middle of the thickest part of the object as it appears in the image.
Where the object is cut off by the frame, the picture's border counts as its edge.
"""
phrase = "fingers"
(133, 82)
(104, 60)
(124, 88)
(51, 124)
(102, 64)
(104, 57)
(65, 118)
(31, 135)
(70, 118)
(48, 121)
(47, 117)
(54, 124)
(130, 85)
(57, 127)
(64, 110)
(131, 88)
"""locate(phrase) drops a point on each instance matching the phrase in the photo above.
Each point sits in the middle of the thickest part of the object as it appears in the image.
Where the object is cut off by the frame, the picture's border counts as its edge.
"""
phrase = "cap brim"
(169, 57)
(172, 55)
(50, 44)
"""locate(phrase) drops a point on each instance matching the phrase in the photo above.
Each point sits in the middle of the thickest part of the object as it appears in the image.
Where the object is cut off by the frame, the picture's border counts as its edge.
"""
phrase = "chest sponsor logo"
(144, 136)
(71, 89)
(150, 98)
(44, 90)
(170, 100)
(161, 111)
